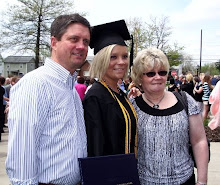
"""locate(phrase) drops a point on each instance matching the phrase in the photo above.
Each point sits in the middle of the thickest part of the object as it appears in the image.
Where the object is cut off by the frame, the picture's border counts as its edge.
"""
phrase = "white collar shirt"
(46, 128)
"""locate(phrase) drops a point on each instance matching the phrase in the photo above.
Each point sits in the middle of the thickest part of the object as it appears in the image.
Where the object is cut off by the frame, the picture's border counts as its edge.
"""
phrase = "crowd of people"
(199, 87)
(6, 84)
(56, 117)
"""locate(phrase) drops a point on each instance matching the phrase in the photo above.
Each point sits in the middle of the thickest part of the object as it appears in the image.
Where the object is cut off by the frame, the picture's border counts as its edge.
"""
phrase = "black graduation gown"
(105, 123)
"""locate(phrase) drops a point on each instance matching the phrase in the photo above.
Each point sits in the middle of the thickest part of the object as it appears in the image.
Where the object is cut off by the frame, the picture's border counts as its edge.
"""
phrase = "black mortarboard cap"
(107, 34)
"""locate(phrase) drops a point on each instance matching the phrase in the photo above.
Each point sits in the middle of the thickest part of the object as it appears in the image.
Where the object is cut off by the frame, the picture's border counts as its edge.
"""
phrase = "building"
(18, 65)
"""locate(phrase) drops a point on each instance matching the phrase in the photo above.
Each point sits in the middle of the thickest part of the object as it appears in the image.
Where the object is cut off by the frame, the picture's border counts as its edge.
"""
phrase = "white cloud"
(199, 10)
(187, 18)
(187, 25)
(217, 33)
(84, 5)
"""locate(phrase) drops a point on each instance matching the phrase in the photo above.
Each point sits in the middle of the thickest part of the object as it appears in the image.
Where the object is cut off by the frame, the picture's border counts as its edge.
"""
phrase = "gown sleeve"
(94, 126)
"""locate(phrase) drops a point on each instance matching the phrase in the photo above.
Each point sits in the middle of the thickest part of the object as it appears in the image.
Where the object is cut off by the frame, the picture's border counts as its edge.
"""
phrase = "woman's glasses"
(152, 74)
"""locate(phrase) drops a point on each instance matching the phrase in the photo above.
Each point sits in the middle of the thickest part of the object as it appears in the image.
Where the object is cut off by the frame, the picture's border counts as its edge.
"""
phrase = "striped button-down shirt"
(46, 128)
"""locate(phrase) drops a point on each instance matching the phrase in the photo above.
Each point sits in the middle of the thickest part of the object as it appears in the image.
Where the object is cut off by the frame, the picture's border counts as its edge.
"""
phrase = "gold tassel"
(127, 121)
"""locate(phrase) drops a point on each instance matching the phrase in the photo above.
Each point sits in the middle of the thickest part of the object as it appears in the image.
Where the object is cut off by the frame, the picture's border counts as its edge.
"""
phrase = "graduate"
(109, 116)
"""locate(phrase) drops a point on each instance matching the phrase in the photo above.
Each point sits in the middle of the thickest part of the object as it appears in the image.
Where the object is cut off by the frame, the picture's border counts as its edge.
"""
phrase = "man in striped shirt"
(46, 125)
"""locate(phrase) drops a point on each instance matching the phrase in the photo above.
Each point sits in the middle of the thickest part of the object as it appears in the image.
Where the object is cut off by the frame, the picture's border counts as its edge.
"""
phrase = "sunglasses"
(152, 74)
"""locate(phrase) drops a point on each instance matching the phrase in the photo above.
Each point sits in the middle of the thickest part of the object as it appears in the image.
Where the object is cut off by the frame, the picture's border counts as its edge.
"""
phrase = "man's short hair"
(61, 23)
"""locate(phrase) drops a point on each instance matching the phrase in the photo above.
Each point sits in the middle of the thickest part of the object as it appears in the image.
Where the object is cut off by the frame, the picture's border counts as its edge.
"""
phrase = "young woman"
(207, 88)
(109, 116)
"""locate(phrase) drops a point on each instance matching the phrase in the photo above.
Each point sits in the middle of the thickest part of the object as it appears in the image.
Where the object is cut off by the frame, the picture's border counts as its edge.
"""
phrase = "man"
(177, 82)
(13, 81)
(121, 84)
(7, 81)
(46, 126)
(3, 100)
(214, 80)
(81, 87)
(2, 93)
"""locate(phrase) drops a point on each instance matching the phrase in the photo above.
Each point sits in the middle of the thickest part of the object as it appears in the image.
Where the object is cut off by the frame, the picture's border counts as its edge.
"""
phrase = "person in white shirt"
(46, 125)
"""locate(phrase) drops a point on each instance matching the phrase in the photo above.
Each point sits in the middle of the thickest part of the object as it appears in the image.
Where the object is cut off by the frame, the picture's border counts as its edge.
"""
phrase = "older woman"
(164, 128)
(109, 116)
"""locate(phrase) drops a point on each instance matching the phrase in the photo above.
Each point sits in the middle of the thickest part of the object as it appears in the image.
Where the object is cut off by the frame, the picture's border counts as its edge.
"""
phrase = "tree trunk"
(37, 51)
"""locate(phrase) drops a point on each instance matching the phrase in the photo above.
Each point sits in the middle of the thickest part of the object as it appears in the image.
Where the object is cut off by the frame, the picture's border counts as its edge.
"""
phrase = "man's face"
(72, 49)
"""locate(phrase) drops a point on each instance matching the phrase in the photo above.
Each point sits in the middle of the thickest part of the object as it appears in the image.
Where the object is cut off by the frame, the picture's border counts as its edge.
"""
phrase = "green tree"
(210, 68)
(158, 32)
(217, 65)
(188, 65)
(154, 33)
(137, 29)
(174, 55)
(1, 58)
(26, 25)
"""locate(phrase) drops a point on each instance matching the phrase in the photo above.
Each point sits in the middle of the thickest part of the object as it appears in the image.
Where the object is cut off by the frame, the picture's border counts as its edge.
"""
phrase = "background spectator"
(172, 86)
(2, 114)
(214, 80)
(81, 87)
(13, 81)
(198, 92)
(207, 88)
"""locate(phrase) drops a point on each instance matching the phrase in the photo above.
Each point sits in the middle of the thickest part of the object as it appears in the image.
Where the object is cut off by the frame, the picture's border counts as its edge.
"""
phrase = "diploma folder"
(109, 170)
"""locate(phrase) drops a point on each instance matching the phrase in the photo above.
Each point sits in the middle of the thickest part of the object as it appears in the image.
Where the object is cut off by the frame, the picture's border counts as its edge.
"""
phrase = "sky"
(186, 17)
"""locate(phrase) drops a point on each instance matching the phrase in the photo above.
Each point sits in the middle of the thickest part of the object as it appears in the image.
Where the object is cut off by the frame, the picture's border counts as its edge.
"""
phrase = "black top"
(158, 112)
(198, 96)
(188, 87)
(105, 123)
(172, 88)
(2, 92)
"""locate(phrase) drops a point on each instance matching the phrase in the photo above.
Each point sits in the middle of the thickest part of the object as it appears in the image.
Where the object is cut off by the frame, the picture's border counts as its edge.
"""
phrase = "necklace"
(126, 117)
(155, 105)
(118, 89)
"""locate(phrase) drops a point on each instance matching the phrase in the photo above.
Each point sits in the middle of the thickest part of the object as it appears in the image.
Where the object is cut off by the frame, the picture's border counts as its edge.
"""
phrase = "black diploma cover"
(109, 170)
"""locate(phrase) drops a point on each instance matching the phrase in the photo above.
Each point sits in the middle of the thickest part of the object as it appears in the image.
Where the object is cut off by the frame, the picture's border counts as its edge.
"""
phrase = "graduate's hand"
(134, 92)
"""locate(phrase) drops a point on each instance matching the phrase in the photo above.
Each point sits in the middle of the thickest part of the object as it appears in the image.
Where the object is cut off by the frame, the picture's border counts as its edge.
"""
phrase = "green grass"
(206, 122)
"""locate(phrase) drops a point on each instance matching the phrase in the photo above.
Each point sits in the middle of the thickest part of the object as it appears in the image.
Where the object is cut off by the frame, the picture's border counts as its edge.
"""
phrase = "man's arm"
(25, 123)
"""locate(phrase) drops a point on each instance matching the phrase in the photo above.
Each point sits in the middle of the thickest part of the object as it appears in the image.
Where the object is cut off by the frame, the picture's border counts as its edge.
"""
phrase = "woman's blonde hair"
(189, 77)
(101, 62)
(148, 59)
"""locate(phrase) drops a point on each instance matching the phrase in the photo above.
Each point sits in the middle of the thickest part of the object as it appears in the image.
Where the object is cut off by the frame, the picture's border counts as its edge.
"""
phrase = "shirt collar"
(63, 73)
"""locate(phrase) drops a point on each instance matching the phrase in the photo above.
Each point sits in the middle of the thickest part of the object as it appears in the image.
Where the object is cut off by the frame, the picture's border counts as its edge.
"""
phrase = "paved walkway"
(213, 175)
